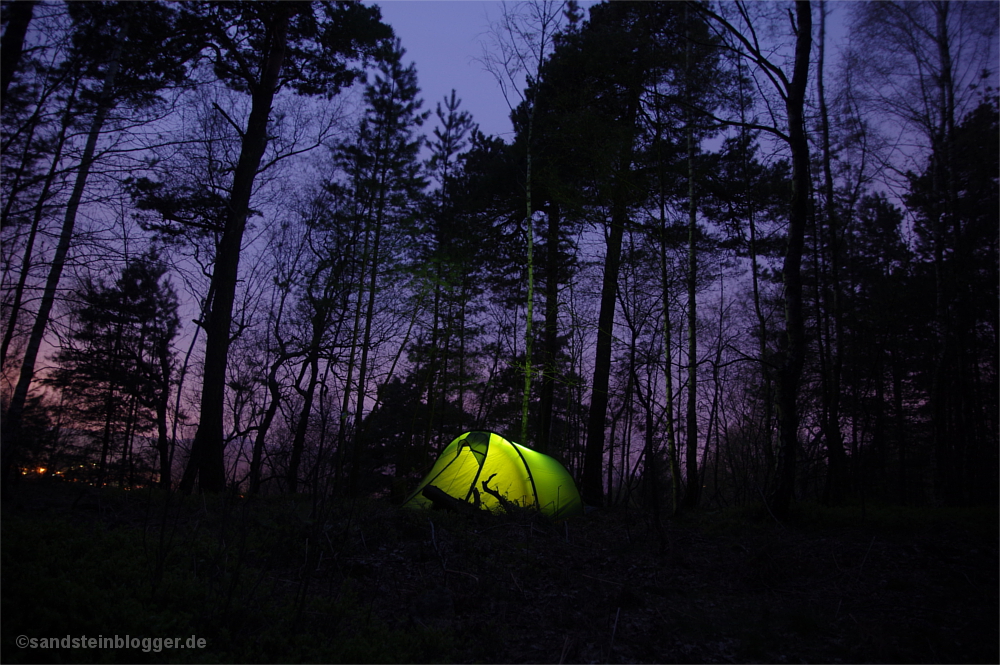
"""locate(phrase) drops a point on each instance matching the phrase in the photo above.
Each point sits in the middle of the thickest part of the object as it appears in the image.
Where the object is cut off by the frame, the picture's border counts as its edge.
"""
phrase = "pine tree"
(116, 369)
(130, 55)
(382, 176)
(446, 260)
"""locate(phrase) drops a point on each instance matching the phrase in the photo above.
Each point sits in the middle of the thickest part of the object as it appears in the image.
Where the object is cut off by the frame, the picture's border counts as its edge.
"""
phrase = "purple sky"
(444, 39)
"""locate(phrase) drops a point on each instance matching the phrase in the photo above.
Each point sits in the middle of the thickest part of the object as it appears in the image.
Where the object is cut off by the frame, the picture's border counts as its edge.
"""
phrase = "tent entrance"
(478, 444)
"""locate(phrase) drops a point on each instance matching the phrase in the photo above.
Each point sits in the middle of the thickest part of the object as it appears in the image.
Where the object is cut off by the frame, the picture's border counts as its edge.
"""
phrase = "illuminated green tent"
(485, 470)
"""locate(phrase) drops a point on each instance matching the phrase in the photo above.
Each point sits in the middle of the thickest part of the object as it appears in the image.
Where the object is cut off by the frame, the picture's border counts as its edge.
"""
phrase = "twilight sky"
(445, 38)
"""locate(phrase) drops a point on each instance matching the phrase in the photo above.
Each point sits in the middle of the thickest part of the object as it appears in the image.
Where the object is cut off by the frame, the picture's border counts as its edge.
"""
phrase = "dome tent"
(485, 469)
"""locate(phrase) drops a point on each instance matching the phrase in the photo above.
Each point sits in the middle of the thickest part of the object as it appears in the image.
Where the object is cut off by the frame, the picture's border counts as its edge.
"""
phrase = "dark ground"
(367, 582)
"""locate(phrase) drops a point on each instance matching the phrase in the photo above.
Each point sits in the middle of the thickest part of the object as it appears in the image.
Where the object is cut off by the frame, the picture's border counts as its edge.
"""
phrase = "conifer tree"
(130, 53)
(382, 177)
(116, 369)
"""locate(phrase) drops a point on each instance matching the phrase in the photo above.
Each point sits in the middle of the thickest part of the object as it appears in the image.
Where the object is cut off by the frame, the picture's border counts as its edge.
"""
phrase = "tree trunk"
(713, 413)
(692, 489)
(547, 397)
(128, 461)
(341, 454)
(38, 214)
(257, 456)
(15, 410)
(667, 341)
(946, 392)
(208, 449)
(751, 213)
(461, 352)
(836, 457)
(790, 372)
(13, 41)
(102, 467)
(766, 374)
(593, 490)
(651, 478)
(162, 408)
(365, 345)
(302, 427)
(528, 341)
(432, 361)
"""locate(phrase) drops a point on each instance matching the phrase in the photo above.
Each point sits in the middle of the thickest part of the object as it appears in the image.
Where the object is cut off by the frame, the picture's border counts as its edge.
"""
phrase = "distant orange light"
(41, 470)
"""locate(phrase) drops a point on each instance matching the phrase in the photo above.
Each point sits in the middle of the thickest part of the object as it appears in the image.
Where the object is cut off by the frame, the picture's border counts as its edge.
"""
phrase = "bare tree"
(742, 37)
(522, 39)
(288, 53)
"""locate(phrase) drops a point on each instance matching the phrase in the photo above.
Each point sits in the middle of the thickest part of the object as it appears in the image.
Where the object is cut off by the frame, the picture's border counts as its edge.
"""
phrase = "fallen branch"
(441, 500)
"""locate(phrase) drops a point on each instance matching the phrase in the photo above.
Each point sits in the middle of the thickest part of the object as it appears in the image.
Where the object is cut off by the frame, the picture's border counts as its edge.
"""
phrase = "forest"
(717, 262)
(734, 266)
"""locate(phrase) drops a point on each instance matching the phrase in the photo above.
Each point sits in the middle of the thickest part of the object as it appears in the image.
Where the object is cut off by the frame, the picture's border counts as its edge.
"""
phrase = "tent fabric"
(519, 474)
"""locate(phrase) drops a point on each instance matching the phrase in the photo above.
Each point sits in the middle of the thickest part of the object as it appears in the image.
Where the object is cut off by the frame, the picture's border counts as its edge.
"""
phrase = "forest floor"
(293, 580)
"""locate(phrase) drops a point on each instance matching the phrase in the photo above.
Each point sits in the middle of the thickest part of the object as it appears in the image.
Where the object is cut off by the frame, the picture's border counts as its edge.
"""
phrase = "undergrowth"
(241, 574)
(301, 579)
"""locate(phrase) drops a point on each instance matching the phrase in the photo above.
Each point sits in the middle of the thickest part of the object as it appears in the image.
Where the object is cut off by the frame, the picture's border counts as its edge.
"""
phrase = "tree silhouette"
(116, 368)
(260, 48)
